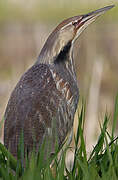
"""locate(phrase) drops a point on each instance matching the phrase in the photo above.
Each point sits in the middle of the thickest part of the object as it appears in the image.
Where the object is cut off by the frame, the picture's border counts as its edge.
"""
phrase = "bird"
(42, 106)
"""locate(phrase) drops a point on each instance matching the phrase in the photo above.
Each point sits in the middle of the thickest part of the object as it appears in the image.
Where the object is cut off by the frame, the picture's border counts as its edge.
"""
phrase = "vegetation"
(102, 162)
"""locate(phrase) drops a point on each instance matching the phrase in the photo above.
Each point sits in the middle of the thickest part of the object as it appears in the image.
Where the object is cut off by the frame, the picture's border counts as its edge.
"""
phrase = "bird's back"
(40, 106)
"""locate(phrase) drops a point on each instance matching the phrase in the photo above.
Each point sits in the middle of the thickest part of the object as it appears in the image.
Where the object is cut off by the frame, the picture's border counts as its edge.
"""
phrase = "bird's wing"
(31, 107)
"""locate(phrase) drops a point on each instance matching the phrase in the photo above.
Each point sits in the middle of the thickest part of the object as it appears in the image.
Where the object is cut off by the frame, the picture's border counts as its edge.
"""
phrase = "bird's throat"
(63, 54)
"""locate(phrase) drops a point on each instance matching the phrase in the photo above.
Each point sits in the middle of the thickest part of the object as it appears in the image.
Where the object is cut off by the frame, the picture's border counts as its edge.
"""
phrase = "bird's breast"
(63, 86)
(68, 101)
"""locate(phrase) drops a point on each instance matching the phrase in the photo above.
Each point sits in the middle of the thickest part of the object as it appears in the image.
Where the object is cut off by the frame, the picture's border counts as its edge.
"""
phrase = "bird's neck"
(65, 61)
(63, 58)
(70, 64)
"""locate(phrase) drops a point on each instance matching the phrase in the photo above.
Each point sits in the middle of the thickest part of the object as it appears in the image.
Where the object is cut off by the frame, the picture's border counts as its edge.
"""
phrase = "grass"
(102, 163)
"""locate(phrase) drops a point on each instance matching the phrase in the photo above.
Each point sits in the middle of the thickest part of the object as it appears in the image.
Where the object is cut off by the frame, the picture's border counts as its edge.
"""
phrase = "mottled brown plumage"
(44, 101)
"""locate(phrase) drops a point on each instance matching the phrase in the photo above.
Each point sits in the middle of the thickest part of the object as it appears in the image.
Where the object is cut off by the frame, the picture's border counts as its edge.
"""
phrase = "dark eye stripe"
(75, 23)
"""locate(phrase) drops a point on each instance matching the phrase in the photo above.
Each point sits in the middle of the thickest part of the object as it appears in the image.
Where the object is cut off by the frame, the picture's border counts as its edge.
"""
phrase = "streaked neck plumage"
(64, 57)
(58, 48)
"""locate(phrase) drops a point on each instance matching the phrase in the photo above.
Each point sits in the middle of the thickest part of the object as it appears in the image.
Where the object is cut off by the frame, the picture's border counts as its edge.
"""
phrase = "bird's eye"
(75, 23)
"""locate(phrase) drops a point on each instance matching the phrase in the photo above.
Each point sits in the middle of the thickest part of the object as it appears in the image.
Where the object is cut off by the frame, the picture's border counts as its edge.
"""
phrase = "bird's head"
(64, 35)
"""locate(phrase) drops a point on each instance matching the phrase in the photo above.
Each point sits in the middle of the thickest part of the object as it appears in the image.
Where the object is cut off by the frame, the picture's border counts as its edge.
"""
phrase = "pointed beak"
(87, 19)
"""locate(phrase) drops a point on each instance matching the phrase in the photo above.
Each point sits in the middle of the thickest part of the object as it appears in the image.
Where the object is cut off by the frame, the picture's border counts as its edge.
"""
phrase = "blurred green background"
(24, 27)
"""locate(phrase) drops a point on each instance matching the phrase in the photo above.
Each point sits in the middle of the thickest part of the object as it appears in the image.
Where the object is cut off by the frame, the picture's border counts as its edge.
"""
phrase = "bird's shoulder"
(32, 97)
(37, 76)
(34, 86)
(36, 80)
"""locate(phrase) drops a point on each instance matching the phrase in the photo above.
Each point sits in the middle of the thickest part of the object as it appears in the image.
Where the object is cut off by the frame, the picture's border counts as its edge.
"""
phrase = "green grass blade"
(8, 155)
(100, 142)
(80, 119)
(115, 116)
